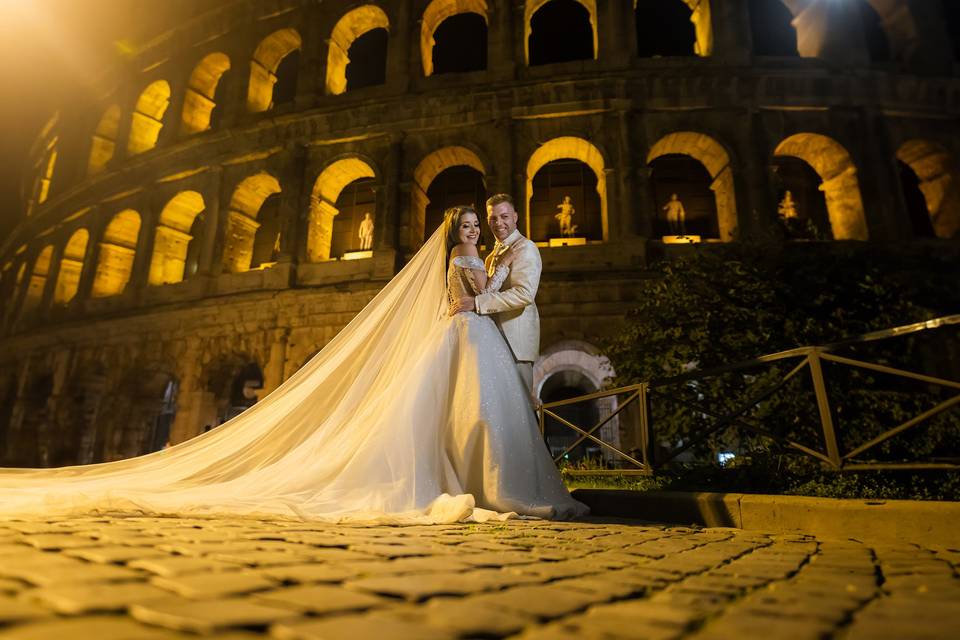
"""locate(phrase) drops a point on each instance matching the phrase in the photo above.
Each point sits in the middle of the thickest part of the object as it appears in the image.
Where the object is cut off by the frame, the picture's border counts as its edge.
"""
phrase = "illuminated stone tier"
(196, 232)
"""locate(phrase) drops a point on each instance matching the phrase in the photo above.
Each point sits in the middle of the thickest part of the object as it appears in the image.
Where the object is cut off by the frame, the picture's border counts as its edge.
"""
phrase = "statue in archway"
(676, 216)
(365, 232)
(565, 218)
(788, 208)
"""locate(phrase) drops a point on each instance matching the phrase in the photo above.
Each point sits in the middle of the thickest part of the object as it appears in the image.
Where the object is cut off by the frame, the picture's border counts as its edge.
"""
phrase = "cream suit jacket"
(513, 307)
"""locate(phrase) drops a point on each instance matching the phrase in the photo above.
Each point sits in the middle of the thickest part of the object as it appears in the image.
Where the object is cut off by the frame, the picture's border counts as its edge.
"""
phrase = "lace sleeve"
(496, 280)
(467, 265)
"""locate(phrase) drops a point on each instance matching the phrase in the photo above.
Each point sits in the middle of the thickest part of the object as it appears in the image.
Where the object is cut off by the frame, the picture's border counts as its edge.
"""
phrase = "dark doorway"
(220, 98)
(877, 43)
(560, 31)
(664, 29)
(562, 386)
(915, 202)
(951, 16)
(771, 25)
(368, 60)
(266, 242)
(460, 44)
(285, 88)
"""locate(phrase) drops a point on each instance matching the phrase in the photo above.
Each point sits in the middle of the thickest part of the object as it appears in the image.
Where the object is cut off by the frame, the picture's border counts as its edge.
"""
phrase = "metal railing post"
(646, 427)
(823, 404)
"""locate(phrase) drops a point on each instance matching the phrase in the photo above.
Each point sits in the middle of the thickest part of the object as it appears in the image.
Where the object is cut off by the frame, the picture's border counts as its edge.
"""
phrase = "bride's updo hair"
(451, 222)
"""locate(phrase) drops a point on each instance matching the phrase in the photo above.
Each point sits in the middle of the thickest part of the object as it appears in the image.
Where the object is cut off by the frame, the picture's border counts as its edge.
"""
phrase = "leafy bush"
(721, 305)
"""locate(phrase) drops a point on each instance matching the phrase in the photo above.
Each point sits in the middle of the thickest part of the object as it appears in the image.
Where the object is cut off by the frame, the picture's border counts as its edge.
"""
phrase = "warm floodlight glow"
(147, 119)
(173, 238)
(937, 171)
(570, 148)
(38, 278)
(71, 266)
(242, 224)
(263, 67)
(424, 175)
(199, 103)
(104, 141)
(435, 13)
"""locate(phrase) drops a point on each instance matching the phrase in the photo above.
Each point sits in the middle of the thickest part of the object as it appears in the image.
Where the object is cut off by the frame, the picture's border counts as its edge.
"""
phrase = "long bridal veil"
(343, 438)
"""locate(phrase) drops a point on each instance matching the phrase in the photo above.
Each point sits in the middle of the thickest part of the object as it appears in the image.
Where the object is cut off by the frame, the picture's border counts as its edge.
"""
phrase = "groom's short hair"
(500, 198)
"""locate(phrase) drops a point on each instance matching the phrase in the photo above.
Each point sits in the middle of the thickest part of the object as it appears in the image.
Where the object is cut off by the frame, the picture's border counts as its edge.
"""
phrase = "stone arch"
(117, 250)
(423, 176)
(143, 401)
(242, 225)
(351, 26)
(700, 16)
(71, 266)
(813, 20)
(200, 100)
(147, 119)
(712, 155)
(264, 64)
(323, 202)
(104, 142)
(38, 278)
(570, 148)
(583, 362)
(937, 171)
(532, 6)
(231, 385)
(840, 186)
(435, 13)
(173, 237)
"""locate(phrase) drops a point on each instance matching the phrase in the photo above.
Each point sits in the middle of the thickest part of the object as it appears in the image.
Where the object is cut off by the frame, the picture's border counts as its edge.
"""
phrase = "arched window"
(453, 36)
(71, 266)
(696, 168)
(563, 180)
(839, 182)
(266, 241)
(461, 185)
(147, 119)
(104, 142)
(269, 83)
(175, 238)
(329, 235)
(873, 32)
(368, 62)
(560, 31)
(673, 28)
(446, 177)
(771, 24)
(201, 98)
(243, 220)
(38, 278)
(931, 187)
(802, 205)
(117, 250)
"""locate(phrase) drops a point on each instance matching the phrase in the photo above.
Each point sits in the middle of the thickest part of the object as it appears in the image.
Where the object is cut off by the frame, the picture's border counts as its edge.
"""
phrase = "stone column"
(391, 210)
(140, 271)
(615, 22)
(313, 56)
(884, 210)
(274, 368)
(501, 46)
(732, 40)
(211, 221)
(292, 183)
(625, 212)
(53, 272)
(754, 188)
(399, 48)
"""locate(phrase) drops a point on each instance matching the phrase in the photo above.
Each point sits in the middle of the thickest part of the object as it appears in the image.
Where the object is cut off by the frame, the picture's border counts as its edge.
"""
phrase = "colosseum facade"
(192, 236)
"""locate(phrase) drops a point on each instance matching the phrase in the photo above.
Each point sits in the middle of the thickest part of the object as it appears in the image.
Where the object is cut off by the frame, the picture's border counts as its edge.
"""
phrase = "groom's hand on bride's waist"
(467, 303)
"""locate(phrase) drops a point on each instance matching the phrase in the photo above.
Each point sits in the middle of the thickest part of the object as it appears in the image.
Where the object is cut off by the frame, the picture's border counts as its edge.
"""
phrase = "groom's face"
(502, 219)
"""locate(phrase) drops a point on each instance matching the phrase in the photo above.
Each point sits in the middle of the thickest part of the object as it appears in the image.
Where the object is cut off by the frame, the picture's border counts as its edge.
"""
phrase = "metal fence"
(806, 360)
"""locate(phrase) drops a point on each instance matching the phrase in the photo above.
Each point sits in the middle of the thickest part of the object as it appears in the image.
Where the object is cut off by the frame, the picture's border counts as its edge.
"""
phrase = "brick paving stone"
(201, 586)
(179, 565)
(319, 599)
(47, 541)
(98, 627)
(112, 554)
(10, 586)
(208, 616)
(94, 598)
(260, 558)
(473, 618)
(16, 610)
(543, 601)
(305, 573)
(356, 628)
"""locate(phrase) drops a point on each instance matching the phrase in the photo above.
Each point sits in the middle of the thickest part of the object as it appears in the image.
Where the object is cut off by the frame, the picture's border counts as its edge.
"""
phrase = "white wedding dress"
(406, 416)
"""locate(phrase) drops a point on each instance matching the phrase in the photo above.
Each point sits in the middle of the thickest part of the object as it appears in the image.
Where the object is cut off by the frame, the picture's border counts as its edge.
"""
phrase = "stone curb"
(875, 521)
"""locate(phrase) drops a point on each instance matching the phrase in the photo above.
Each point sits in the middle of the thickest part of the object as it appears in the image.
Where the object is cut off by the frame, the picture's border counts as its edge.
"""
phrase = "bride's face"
(469, 228)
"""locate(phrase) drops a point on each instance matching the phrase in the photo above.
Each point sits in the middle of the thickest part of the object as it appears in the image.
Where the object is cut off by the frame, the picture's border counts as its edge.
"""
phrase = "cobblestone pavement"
(144, 578)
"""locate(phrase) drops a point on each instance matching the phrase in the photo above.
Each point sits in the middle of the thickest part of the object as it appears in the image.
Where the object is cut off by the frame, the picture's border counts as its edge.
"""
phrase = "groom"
(512, 307)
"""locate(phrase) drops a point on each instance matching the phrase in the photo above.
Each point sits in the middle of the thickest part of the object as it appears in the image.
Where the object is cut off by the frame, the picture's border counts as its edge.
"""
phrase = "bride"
(409, 415)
